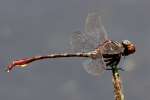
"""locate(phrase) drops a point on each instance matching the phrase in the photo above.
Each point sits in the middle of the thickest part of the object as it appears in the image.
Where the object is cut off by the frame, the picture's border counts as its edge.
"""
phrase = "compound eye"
(126, 42)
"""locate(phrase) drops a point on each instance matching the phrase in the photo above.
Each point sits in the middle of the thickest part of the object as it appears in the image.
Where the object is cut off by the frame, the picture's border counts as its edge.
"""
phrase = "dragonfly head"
(129, 47)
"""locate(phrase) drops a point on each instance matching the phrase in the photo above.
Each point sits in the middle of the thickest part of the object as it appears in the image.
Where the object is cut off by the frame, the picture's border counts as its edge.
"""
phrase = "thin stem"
(24, 62)
(117, 84)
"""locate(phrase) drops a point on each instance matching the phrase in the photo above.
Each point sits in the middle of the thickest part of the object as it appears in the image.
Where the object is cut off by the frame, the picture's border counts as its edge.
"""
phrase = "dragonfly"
(101, 52)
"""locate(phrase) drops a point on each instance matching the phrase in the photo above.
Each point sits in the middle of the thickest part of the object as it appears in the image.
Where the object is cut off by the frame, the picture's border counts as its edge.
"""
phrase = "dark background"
(39, 27)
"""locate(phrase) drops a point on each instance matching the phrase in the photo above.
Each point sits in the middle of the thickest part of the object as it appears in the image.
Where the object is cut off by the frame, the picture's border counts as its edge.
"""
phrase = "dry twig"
(117, 84)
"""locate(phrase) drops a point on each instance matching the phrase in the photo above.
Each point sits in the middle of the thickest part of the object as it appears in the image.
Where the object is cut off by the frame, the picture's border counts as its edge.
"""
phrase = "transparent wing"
(94, 34)
(128, 64)
(112, 47)
(94, 66)
(94, 27)
(82, 43)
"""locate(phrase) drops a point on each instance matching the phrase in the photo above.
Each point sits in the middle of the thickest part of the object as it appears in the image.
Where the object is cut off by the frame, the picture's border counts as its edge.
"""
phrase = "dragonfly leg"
(108, 69)
(117, 68)
(121, 69)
